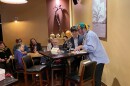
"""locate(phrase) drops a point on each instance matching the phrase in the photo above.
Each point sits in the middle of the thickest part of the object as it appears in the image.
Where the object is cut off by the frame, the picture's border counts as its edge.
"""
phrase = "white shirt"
(76, 42)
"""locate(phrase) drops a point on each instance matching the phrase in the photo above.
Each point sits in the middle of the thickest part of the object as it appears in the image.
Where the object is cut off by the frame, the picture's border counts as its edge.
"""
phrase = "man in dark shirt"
(75, 40)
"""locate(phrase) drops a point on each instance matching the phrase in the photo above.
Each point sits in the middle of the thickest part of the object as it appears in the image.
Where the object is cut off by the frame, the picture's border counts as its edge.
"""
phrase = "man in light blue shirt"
(95, 49)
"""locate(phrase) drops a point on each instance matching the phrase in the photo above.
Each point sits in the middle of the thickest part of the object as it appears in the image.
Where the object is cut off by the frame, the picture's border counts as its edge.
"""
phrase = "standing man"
(75, 40)
(95, 49)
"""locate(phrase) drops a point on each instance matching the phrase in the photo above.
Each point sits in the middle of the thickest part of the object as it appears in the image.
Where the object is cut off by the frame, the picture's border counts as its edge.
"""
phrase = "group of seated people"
(20, 50)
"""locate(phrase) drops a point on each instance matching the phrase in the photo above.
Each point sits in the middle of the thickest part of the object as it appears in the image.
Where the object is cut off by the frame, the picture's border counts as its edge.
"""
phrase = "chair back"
(27, 62)
(16, 66)
(88, 71)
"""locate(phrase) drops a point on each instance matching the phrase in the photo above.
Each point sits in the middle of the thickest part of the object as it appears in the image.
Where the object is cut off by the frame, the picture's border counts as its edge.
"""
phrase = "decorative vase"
(58, 35)
(62, 35)
(52, 35)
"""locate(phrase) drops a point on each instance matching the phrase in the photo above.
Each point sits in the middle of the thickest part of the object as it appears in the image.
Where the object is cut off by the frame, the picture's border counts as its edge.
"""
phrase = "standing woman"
(5, 54)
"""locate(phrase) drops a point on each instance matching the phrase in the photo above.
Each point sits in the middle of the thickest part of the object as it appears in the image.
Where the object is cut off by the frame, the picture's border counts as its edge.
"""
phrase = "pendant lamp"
(14, 1)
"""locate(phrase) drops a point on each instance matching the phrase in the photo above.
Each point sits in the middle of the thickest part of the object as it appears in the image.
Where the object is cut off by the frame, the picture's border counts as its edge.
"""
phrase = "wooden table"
(8, 81)
(63, 55)
(33, 55)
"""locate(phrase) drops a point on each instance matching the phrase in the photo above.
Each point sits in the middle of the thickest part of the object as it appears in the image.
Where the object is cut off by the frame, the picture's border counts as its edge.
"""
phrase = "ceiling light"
(14, 1)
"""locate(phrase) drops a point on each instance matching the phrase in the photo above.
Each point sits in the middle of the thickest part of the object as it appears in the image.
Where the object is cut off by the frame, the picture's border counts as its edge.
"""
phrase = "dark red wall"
(1, 34)
(62, 15)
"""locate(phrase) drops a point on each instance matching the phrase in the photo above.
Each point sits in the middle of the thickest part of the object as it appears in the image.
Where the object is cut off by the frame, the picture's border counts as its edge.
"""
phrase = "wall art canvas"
(99, 17)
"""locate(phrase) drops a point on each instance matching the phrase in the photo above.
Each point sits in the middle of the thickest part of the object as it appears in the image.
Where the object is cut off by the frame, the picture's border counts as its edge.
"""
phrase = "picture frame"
(99, 17)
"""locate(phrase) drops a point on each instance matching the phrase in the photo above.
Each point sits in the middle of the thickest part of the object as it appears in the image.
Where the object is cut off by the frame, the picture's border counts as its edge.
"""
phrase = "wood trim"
(103, 84)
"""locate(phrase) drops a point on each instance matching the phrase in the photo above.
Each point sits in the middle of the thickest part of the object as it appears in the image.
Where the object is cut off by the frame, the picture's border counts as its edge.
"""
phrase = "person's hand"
(2, 60)
(35, 51)
(24, 52)
(7, 61)
(78, 48)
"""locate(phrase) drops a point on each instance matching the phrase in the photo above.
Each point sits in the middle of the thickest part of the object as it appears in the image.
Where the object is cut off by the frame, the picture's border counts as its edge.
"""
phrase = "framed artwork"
(99, 17)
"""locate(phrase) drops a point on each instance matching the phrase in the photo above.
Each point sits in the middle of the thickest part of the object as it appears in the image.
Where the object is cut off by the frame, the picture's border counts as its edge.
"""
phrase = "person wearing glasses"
(95, 49)
(19, 41)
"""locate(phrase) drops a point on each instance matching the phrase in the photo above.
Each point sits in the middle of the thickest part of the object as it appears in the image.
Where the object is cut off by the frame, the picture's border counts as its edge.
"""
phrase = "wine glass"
(69, 45)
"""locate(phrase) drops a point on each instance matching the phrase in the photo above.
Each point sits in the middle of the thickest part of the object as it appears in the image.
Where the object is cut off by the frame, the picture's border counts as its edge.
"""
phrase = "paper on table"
(78, 52)
(54, 50)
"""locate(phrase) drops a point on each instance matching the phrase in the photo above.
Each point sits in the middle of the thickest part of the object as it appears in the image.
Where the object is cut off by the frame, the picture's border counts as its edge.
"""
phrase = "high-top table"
(63, 55)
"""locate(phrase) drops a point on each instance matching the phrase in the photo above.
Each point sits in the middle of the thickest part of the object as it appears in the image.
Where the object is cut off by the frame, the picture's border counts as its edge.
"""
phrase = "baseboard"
(103, 84)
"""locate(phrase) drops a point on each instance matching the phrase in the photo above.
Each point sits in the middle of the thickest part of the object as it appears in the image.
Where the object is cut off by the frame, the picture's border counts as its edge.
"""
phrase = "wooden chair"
(86, 74)
(30, 68)
(16, 70)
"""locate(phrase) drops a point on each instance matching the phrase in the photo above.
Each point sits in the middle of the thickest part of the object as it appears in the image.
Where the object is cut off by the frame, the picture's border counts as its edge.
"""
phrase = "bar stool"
(30, 68)
(58, 65)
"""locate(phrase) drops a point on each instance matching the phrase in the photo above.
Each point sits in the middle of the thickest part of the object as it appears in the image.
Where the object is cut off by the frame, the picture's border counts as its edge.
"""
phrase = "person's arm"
(26, 49)
(19, 57)
(49, 46)
(2, 60)
(78, 48)
(90, 44)
(39, 47)
(8, 53)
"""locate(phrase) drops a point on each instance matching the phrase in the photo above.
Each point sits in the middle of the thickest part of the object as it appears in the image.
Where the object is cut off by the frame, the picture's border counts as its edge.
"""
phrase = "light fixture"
(16, 19)
(57, 2)
(14, 1)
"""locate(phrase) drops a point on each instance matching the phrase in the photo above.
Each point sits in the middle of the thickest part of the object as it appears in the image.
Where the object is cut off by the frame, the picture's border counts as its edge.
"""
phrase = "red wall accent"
(62, 15)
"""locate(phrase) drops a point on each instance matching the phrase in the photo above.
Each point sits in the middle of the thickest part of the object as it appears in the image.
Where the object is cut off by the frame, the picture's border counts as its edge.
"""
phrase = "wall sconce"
(14, 1)
(58, 6)
(57, 2)
(16, 19)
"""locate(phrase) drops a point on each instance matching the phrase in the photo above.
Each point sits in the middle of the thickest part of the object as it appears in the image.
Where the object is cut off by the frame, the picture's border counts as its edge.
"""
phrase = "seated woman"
(55, 44)
(19, 41)
(18, 56)
(35, 48)
(5, 54)
(49, 45)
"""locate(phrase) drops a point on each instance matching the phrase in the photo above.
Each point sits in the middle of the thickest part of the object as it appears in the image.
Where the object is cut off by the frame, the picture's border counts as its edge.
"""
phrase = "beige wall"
(32, 22)
(117, 72)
